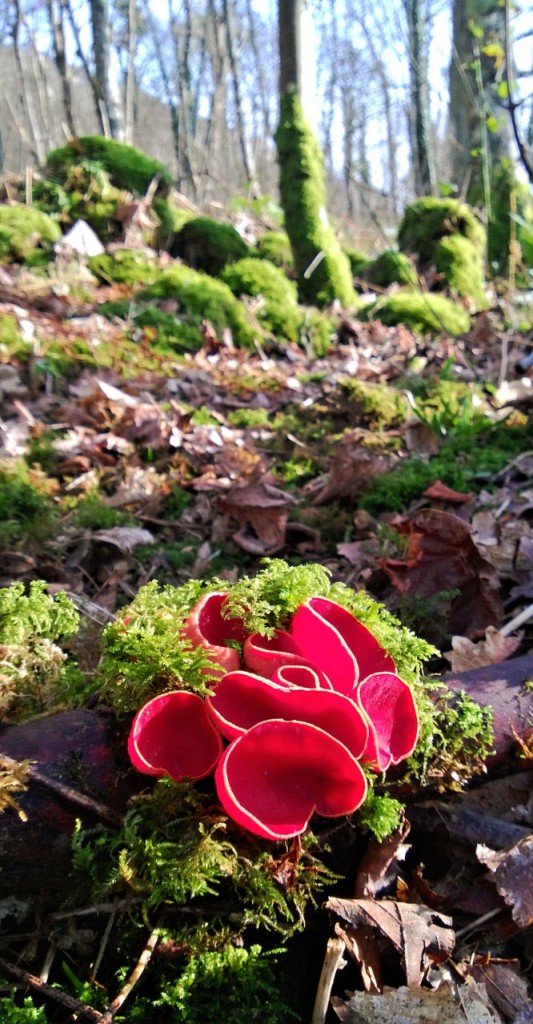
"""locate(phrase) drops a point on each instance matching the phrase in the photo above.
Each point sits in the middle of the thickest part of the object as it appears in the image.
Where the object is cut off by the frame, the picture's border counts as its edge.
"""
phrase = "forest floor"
(402, 464)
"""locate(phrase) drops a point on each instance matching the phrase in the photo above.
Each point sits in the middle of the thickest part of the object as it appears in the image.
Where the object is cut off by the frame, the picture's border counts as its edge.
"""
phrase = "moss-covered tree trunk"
(322, 268)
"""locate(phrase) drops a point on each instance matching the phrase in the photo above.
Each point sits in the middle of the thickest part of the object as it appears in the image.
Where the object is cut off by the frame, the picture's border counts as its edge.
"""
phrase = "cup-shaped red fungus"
(265, 655)
(273, 778)
(336, 642)
(173, 735)
(206, 627)
(391, 711)
(242, 700)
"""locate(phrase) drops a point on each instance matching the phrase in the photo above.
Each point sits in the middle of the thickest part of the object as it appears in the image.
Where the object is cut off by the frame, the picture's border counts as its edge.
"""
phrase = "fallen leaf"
(421, 935)
(504, 986)
(512, 873)
(442, 556)
(444, 1005)
(262, 510)
(440, 492)
(352, 468)
(125, 538)
(466, 655)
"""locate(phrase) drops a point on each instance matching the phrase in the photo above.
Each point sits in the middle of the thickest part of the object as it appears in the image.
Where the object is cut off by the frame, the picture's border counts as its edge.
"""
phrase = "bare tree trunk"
(247, 158)
(36, 145)
(55, 16)
(261, 84)
(419, 119)
(130, 76)
(105, 86)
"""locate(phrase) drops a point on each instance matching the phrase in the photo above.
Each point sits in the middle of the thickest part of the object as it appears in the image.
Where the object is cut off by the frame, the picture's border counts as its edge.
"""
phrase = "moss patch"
(390, 267)
(125, 266)
(202, 298)
(357, 260)
(428, 220)
(303, 198)
(279, 312)
(207, 245)
(24, 229)
(461, 265)
(374, 405)
(127, 167)
(421, 311)
(275, 246)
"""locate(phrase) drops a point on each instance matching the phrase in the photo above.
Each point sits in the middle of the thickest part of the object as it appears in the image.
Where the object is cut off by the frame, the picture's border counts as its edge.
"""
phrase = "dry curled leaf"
(512, 874)
(466, 655)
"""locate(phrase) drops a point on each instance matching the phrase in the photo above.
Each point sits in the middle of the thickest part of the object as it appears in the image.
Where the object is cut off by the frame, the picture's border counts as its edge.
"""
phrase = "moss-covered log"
(303, 198)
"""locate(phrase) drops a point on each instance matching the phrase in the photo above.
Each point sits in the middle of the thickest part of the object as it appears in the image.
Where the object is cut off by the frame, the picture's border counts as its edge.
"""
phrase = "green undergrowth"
(275, 246)
(468, 459)
(125, 266)
(27, 513)
(25, 1012)
(23, 230)
(423, 312)
(36, 674)
(277, 309)
(127, 167)
(208, 245)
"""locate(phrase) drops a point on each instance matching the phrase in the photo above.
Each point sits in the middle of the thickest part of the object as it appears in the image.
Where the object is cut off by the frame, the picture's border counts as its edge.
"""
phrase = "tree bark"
(106, 90)
(419, 118)
(55, 16)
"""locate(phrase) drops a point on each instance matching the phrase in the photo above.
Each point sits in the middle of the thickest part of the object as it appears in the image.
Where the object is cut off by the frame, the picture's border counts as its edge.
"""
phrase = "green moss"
(171, 217)
(461, 265)
(26, 512)
(11, 341)
(125, 266)
(207, 245)
(91, 512)
(85, 192)
(202, 298)
(421, 311)
(503, 183)
(358, 261)
(279, 312)
(318, 330)
(275, 246)
(168, 333)
(303, 198)
(427, 220)
(374, 405)
(21, 1013)
(23, 229)
(127, 167)
(390, 267)
(249, 418)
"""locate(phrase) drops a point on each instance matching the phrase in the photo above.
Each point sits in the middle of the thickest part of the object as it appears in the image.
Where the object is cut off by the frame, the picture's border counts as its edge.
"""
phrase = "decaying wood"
(28, 980)
(333, 962)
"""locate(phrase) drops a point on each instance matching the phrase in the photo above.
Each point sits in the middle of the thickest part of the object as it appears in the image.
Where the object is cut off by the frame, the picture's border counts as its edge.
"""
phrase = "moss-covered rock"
(275, 247)
(303, 197)
(427, 228)
(84, 193)
(208, 245)
(200, 297)
(357, 260)
(390, 267)
(279, 312)
(125, 266)
(127, 167)
(461, 266)
(421, 311)
(171, 218)
(23, 230)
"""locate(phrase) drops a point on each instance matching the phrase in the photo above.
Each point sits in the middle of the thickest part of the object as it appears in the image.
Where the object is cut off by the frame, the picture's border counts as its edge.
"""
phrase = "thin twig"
(135, 975)
(333, 962)
(26, 979)
(67, 792)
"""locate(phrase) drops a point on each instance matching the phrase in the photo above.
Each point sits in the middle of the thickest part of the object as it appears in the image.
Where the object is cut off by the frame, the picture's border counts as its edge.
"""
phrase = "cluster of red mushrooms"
(301, 710)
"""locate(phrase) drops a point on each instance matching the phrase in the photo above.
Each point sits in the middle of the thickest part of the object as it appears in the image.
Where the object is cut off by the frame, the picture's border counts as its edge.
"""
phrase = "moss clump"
(303, 197)
(428, 220)
(11, 341)
(275, 246)
(461, 265)
(127, 167)
(23, 230)
(125, 266)
(167, 333)
(388, 268)
(202, 298)
(279, 312)
(374, 404)
(85, 192)
(503, 183)
(26, 512)
(357, 260)
(171, 217)
(207, 245)
(25, 1013)
(422, 312)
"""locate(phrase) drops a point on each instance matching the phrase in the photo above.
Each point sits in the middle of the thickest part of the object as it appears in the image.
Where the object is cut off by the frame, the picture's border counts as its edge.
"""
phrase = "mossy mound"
(503, 184)
(171, 217)
(127, 167)
(421, 311)
(200, 297)
(279, 312)
(85, 193)
(275, 247)
(461, 266)
(125, 266)
(318, 330)
(428, 220)
(374, 405)
(390, 267)
(357, 260)
(303, 197)
(23, 230)
(207, 245)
